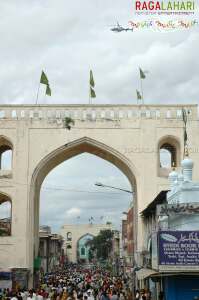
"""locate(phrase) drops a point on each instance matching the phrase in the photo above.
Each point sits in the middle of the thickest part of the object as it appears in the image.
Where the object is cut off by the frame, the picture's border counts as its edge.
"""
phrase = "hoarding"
(178, 248)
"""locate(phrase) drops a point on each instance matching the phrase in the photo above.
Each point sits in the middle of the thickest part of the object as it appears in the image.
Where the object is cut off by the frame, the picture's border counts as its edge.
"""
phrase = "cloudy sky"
(68, 38)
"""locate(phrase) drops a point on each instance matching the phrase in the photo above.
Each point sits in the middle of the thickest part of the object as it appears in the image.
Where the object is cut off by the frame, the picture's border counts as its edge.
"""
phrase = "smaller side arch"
(83, 248)
(6, 153)
(168, 154)
(5, 215)
(84, 235)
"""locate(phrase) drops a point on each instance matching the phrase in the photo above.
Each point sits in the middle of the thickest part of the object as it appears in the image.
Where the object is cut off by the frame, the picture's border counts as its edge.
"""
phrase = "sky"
(68, 38)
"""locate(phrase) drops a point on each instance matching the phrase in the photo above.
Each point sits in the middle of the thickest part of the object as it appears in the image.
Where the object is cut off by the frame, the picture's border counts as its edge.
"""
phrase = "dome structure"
(187, 167)
(187, 163)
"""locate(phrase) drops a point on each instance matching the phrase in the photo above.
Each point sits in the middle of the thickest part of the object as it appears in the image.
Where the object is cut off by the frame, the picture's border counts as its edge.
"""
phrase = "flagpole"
(37, 93)
(142, 90)
(89, 94)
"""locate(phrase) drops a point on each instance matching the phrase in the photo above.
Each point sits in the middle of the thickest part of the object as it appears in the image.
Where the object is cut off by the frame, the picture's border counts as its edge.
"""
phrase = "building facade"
(127, 240)
(75, 237)
(50, 250)
(171, 267)
(130, 236)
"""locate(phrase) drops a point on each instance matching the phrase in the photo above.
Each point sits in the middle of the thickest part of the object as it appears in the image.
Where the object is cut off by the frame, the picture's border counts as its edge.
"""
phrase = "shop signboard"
(178, 248)
(5, 279)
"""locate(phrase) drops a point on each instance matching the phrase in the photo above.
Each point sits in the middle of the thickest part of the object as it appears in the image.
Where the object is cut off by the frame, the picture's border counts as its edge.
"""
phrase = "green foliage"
(108, 223)
(101, 245)
(68, 122)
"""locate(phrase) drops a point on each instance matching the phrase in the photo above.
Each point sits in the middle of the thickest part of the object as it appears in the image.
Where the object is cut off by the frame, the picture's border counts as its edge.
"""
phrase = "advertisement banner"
(178, 248)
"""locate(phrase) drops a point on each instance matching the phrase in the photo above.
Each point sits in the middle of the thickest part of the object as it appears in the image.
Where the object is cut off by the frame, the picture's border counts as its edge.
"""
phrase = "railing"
(96, 112)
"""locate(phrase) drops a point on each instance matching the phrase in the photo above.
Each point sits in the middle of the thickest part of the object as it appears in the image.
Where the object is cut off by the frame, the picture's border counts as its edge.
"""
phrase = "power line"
(78, 191)
(61, 188)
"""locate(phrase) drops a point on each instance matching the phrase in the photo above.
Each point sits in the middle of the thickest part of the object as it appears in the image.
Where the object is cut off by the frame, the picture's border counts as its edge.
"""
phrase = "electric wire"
(61, 188)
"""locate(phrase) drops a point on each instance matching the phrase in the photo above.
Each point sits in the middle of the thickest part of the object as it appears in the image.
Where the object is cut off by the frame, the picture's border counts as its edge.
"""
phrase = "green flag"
(92, 93)
(44, 78)
(92, 82)
(48, 90)
(142, 75)
(139, 97)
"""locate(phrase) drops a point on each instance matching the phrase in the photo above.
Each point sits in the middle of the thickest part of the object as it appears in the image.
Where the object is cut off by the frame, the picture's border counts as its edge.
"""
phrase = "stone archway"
(126, 135)
(81, 243)
(62, 154)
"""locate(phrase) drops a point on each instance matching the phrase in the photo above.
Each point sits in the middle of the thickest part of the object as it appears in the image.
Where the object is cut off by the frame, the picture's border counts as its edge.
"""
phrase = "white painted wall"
(126, 135)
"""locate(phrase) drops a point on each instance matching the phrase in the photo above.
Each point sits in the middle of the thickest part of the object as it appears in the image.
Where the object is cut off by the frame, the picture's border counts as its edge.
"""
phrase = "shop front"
(181, 287)
(179, 264)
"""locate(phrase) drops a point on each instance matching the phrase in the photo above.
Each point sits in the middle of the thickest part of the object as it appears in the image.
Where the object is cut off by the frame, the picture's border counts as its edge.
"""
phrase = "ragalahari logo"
(165, 6)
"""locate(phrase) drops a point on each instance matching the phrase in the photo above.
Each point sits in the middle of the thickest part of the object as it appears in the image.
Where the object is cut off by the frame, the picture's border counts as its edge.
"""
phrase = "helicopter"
(119, 28)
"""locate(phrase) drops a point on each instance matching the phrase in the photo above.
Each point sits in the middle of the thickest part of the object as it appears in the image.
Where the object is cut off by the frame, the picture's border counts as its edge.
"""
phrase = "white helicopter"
(119, 28)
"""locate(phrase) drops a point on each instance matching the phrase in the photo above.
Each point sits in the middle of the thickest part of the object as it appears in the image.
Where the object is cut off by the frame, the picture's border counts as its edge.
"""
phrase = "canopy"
(144, 273)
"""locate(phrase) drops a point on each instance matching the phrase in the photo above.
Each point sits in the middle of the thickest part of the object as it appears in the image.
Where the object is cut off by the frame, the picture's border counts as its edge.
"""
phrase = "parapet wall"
(95, 112)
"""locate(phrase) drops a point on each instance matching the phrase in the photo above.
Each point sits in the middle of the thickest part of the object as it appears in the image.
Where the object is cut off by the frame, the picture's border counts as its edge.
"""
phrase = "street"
(82, 282)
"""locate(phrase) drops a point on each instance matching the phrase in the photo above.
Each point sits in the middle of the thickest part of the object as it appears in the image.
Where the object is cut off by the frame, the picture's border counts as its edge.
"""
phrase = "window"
(69, 236)
(168, 155)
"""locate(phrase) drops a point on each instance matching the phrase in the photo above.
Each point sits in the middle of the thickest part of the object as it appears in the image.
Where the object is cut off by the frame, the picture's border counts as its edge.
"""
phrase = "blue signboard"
(178, 248)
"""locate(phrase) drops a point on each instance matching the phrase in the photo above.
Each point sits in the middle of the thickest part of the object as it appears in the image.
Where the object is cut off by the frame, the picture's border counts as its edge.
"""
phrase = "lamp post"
(113, 187)
(115, 262)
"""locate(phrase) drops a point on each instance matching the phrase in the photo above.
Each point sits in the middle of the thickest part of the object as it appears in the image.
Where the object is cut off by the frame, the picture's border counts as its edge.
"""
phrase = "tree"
(101, 244)
(68, 122)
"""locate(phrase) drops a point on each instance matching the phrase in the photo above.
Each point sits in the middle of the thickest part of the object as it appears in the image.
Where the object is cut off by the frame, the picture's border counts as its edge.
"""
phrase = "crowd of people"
(78, 283)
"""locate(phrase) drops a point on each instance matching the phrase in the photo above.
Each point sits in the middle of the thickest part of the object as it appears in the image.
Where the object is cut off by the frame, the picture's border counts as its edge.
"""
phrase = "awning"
(144, 273)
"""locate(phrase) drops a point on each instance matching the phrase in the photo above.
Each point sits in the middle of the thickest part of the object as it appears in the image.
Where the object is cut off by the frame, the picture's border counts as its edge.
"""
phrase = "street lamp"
(112, 187)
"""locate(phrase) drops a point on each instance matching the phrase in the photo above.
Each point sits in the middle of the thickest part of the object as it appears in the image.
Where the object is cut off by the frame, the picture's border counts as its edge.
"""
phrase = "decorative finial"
(186, 151)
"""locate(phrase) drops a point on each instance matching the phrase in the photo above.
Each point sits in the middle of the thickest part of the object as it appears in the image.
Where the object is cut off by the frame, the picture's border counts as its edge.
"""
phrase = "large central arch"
(62, 154)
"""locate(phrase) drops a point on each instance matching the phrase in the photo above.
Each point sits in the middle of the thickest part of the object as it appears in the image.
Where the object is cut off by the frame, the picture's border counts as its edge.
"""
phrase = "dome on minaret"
(187, 168)
(187, 163)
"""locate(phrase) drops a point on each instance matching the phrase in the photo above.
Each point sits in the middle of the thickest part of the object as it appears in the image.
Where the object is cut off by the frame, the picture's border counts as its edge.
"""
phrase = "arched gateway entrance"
(132, 137)
(63, 153)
